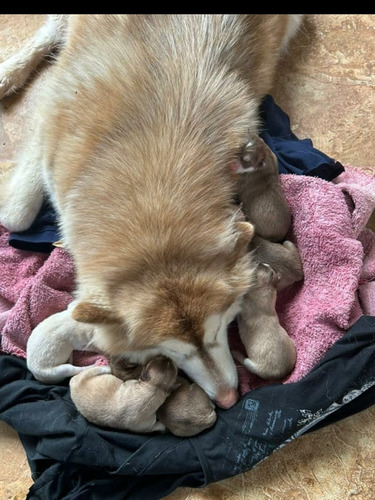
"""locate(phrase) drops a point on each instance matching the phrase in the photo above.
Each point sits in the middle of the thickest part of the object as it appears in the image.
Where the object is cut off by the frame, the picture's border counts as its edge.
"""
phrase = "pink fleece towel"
(33, 286)
(337, 252)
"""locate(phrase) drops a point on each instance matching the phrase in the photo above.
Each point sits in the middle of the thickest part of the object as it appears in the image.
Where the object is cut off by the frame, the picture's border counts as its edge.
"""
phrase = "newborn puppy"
(271, 352)
(123, 369)
(188, 410)
(284, 259)
(259, 189)
(106, 400)
(51, 344)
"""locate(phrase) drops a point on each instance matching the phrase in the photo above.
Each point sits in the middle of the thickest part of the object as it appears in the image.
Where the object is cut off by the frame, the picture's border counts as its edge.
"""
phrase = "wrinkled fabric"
(71, 459)
(295, 156)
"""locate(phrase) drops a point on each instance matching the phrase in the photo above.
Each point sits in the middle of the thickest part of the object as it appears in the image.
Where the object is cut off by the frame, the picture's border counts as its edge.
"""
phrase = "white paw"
(12, 77)
(15, 221)
(19, 209)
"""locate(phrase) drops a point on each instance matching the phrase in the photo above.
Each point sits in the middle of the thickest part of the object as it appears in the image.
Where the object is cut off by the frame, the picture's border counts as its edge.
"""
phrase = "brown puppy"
(106, 400)
(271, 352)
(123, 369)
(188, 410)
(283, 258)
(260, 191)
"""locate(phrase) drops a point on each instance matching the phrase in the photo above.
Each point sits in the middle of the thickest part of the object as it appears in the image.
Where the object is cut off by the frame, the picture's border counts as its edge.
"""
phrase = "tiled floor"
(327, 86)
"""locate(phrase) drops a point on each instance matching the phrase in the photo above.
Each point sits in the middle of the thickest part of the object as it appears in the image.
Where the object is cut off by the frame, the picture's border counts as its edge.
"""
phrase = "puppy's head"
(257, 158)
(161, 373)
(188, 410)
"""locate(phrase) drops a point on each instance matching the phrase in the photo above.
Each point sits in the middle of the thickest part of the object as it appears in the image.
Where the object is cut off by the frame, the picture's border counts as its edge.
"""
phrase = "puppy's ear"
(246, 233)
(86, 312)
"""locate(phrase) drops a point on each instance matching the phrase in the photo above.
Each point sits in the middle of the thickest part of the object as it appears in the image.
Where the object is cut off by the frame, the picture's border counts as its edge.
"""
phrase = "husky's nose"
(227, 399)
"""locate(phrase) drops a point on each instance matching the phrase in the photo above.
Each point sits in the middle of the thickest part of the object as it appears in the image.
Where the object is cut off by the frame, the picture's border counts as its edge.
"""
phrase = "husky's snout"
(227, 398)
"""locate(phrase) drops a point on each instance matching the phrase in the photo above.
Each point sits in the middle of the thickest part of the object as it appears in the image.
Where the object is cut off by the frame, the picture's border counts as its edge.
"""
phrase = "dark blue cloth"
(72, 459)
(294, 156)
(41, 234)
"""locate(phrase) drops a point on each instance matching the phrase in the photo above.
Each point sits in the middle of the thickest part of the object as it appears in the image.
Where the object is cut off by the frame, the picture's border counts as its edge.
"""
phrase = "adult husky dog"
(132, 140)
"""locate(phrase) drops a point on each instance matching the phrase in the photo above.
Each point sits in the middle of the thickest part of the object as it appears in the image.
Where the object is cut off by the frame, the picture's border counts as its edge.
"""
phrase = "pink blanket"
(338, 257)
(337, 252)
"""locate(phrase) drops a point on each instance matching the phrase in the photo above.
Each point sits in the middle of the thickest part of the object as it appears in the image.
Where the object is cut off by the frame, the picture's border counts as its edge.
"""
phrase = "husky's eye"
(177, 352)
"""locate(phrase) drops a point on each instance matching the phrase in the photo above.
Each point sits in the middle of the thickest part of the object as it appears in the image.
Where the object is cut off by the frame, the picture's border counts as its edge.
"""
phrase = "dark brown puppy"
(260, 191)
(283, 258)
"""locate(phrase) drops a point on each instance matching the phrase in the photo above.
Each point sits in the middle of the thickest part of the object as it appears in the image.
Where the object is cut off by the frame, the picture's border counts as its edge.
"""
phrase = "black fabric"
(72, 459)
(294, 156)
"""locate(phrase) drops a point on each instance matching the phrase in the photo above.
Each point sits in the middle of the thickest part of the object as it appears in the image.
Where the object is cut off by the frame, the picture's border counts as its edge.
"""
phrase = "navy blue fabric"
(294, 156)
(41, 234)
(71, 459)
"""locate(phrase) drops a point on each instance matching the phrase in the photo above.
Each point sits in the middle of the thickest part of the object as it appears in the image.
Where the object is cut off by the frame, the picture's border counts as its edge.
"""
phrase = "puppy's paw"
(291, 247)
(265, 275)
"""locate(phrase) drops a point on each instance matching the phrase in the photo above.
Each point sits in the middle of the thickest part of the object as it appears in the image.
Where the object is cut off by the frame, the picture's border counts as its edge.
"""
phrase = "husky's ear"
(87, 312)
(246, 233)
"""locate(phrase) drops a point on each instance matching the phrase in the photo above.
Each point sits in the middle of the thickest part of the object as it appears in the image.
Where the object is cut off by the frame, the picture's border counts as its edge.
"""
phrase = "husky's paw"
(13, 76)
(16, 216)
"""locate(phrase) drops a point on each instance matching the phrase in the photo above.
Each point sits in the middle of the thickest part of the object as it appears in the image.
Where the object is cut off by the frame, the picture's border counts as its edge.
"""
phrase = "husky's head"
(181, 312)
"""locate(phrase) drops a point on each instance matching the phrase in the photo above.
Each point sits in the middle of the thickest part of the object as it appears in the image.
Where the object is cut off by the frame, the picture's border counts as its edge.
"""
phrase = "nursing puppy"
(106, 400)
(271, 353)
(283, 258)
(259, 189)
(129, 396)
(51, 344)
(132, 142)
(186, 412)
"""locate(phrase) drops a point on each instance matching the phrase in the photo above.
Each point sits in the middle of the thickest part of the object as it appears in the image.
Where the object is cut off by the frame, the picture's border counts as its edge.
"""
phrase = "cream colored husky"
(132, 140)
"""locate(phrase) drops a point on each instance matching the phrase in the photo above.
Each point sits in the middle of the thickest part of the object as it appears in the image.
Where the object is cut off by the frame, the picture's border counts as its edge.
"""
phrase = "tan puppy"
(106, 400)
(271, 352)
(260, 191)
(188, 410)
(132, 140)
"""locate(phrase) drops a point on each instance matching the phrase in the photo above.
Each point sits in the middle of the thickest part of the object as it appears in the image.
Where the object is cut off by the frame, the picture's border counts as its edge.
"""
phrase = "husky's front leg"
(21, 193)
(15, 71)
